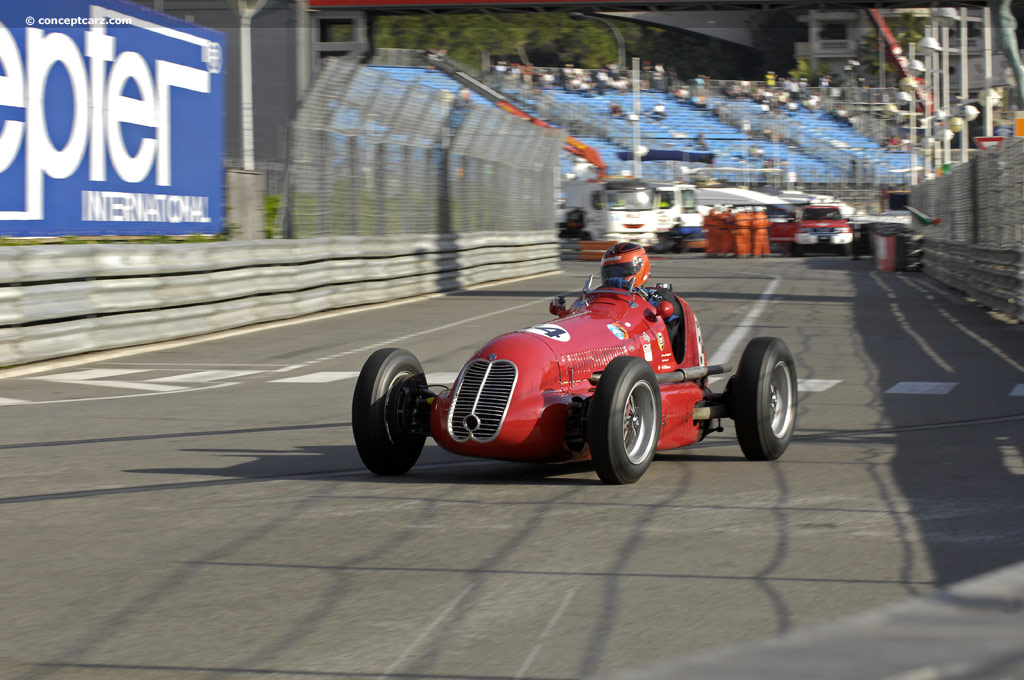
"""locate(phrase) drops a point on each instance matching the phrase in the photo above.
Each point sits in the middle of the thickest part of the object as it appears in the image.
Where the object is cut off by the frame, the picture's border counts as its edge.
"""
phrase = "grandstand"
(789, 147)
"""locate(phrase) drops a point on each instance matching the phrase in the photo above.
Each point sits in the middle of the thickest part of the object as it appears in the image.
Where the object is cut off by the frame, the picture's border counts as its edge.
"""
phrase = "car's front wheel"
(624, 421)
(383, 408)
(764, 398)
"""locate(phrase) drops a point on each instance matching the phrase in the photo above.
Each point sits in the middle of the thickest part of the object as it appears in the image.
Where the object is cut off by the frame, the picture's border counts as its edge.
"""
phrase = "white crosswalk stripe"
(815, 384)
(321, 377)
(95, 377)
(922, 388)
(201, 376)
(91, 374)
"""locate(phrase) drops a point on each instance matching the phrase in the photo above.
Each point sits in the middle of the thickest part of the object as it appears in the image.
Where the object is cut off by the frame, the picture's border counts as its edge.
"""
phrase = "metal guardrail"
(58, 301)
(993, 276)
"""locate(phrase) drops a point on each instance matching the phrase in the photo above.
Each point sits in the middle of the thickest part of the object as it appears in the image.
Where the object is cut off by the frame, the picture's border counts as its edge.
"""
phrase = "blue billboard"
(111, 121)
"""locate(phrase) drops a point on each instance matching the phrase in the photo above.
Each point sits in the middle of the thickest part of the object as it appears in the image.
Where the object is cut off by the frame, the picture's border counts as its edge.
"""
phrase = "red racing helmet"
(626, 262)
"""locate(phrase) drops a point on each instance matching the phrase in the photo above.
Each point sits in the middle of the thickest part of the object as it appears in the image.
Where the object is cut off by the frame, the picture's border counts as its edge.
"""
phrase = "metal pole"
(964, 90)
(947, 144)
(248, 155)
(302, 53)
(618, 40)
(245, 14)
(636, 117)
(913, 128)
(929, 109)
(987, 22)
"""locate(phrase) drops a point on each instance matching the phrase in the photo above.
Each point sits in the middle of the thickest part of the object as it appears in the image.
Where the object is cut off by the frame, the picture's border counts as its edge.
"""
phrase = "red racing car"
(615, 377)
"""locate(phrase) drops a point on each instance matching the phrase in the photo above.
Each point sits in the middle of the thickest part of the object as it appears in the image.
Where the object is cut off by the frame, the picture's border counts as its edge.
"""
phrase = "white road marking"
(166, 390)
(125, 385)
(321, 377)
(427, 631)
(91, 374)
(815, 384)
(153, 365)
(544, 633)
(93, 377)
(1013, 460)
(202, 376)
(1017, 391)
(905, 323)
(922, 388)
(441, 378)
(726, 349)
(8, 402)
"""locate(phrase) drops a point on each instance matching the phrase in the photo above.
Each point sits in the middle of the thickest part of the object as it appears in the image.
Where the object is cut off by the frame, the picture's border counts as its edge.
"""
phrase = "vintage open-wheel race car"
(615, 377)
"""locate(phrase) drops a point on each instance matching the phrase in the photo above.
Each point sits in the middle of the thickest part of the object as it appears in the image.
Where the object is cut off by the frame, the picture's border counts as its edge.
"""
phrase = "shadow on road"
(956, 454)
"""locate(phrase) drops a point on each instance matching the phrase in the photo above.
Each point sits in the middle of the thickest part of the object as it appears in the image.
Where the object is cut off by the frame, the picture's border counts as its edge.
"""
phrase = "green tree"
(774, 33)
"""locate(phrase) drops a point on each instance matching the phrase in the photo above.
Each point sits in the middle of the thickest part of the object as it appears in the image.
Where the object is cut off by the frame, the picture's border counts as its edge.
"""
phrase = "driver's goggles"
(619, 271)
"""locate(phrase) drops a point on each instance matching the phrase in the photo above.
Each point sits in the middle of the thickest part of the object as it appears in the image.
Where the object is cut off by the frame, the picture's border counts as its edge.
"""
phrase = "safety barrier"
(994, 276)
(66, 300)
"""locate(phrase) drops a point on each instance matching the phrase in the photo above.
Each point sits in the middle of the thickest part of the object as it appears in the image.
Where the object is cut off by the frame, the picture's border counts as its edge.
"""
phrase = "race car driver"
(626, 266)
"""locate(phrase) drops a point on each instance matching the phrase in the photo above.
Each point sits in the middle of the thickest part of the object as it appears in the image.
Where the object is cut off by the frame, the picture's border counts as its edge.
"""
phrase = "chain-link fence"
(981, 202)
(374, 155)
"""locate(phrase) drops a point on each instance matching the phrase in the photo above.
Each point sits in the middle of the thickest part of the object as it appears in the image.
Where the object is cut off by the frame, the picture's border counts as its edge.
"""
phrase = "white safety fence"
(994, 276)
(58, 301)
(977, 245)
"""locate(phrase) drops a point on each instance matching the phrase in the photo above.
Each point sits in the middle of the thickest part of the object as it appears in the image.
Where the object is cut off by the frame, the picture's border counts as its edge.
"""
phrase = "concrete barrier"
(58, 301)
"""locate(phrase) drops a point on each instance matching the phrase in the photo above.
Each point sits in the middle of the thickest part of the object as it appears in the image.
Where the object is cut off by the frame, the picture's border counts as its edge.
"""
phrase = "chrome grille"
(481, 400)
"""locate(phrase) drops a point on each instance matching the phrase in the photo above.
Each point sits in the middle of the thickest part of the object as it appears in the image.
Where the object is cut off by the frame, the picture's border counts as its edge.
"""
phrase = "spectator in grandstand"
(824, 80)
(602, 80)
(464, 96)
(658, 77)
(658, 112)
(615, 110)
(702, 141)
(769, 79)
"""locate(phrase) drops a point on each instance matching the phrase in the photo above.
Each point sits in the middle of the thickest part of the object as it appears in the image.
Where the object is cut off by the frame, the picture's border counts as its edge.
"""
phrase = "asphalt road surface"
(201, 512)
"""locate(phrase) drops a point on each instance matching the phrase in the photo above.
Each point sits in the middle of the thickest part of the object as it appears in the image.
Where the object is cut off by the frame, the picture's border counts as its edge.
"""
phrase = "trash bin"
(885, 246)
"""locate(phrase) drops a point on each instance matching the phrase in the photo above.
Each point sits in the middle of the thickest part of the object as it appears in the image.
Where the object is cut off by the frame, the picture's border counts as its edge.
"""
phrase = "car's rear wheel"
(383, 408)
(624, 420)
(764, 399)
(796, 250)
(846, 249)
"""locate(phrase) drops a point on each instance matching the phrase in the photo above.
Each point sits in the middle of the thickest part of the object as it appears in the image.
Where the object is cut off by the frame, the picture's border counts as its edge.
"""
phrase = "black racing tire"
(846, 249)
(764, 399)
(381, 412)
(796, 250)
(624, 421)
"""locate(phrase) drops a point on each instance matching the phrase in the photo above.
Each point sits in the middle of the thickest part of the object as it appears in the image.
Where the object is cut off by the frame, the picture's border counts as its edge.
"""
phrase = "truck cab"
(815, 227)
(679, 222)
(622, 209)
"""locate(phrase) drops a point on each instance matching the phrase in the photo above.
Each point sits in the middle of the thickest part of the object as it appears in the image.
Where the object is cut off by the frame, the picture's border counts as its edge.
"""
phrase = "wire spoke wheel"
(383, 406)
(624, 420)
(763, 399)
(781, 399)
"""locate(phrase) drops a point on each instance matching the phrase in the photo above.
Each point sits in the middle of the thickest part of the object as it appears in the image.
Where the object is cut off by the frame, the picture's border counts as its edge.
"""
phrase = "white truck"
(654, 214)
